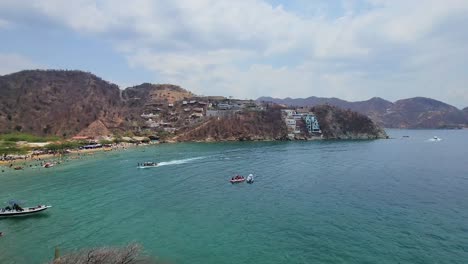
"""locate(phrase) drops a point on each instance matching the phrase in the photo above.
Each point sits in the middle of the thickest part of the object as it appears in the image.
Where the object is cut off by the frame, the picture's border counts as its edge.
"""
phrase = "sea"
(400, 200)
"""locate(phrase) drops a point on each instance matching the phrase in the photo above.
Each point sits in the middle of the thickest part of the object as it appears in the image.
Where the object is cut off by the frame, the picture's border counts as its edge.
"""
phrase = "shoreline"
(56, 157)
(72, 154)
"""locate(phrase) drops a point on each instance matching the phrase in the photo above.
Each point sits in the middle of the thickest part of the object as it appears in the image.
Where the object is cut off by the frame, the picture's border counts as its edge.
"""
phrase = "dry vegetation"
(346, 124)
(264, 125)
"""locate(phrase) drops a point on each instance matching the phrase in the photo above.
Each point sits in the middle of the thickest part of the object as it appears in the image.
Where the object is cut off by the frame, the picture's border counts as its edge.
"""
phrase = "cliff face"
(417, 112)
(336, 123)
(243, 126)
(56, 102)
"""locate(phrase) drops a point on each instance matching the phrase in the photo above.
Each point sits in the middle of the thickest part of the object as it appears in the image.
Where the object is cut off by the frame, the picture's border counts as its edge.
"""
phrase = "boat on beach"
(146, 165)
(13, 209)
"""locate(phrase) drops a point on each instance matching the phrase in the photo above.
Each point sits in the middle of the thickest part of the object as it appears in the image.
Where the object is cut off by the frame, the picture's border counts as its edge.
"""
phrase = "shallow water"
(403, 200)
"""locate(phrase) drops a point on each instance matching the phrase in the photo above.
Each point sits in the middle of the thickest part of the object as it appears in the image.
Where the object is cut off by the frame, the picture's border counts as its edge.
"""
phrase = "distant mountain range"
(417, 112)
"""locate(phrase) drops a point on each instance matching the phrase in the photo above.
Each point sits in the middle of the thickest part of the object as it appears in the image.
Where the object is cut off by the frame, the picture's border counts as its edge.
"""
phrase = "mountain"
(420, 112)
(67, 103)
(57, 102)
(417, 112)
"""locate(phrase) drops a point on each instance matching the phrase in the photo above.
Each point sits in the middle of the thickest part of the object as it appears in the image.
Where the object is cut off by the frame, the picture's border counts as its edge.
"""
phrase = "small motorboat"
(48, 165)
(237, 179)
(145, 165)
(435, 138)
(15, 210)
(250, 178)
(18, 168)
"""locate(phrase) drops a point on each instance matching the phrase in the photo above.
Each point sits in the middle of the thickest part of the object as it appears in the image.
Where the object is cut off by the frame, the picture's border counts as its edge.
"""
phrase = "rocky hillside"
(337, 123)
(418, 112)
(245, 126)
(68, 103)
(57, 102)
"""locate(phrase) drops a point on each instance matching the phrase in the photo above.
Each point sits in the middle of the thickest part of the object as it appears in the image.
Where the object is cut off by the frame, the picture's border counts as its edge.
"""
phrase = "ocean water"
(402, 200)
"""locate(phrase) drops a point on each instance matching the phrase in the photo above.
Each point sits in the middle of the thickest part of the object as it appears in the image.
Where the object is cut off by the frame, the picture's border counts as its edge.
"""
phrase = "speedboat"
(250, 178)
(435, 138)
(145, 165)
(16, 210)
(237, 179)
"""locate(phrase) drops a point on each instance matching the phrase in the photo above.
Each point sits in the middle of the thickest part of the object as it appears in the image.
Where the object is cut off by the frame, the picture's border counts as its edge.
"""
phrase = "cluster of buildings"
(301, 122)
(168, 116)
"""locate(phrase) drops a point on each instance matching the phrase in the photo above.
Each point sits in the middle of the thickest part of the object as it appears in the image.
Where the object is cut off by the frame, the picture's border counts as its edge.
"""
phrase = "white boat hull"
(147, 167)
(25, 212)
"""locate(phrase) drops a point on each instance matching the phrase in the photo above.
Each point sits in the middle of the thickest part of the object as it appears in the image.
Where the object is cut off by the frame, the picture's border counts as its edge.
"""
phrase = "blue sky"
(351, 49)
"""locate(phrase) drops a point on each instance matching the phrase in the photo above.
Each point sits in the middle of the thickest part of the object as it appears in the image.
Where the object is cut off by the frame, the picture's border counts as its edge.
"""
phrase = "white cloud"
(247, 48)
(11, 62)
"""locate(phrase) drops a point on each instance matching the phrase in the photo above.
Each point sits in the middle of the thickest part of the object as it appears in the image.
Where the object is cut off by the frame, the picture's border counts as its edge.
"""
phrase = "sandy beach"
(57, 158)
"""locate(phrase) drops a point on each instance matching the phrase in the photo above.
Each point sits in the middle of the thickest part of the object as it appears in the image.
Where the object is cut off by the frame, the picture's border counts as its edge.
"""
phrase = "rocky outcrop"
(337, 123)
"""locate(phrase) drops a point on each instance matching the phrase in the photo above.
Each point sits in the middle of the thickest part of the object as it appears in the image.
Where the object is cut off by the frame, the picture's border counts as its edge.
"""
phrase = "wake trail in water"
(177, 162)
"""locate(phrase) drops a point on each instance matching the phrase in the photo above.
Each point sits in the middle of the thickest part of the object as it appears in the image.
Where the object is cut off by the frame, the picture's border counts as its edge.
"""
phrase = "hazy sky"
(349, 49)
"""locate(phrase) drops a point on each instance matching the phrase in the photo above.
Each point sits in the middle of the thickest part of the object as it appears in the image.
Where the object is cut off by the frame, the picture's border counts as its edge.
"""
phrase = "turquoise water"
(385, 201)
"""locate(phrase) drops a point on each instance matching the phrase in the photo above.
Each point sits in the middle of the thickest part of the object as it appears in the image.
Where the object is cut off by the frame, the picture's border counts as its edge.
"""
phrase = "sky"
(350, 49)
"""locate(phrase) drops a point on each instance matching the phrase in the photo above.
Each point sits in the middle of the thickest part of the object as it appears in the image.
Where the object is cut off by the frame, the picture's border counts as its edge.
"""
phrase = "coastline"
(77, 153)
(57, 158)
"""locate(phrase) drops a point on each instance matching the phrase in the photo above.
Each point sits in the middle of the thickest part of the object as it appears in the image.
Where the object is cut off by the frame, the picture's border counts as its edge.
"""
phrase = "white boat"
(435, 138)
(16, 210)
(48, 165)
(250, 178)
(146, 165)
